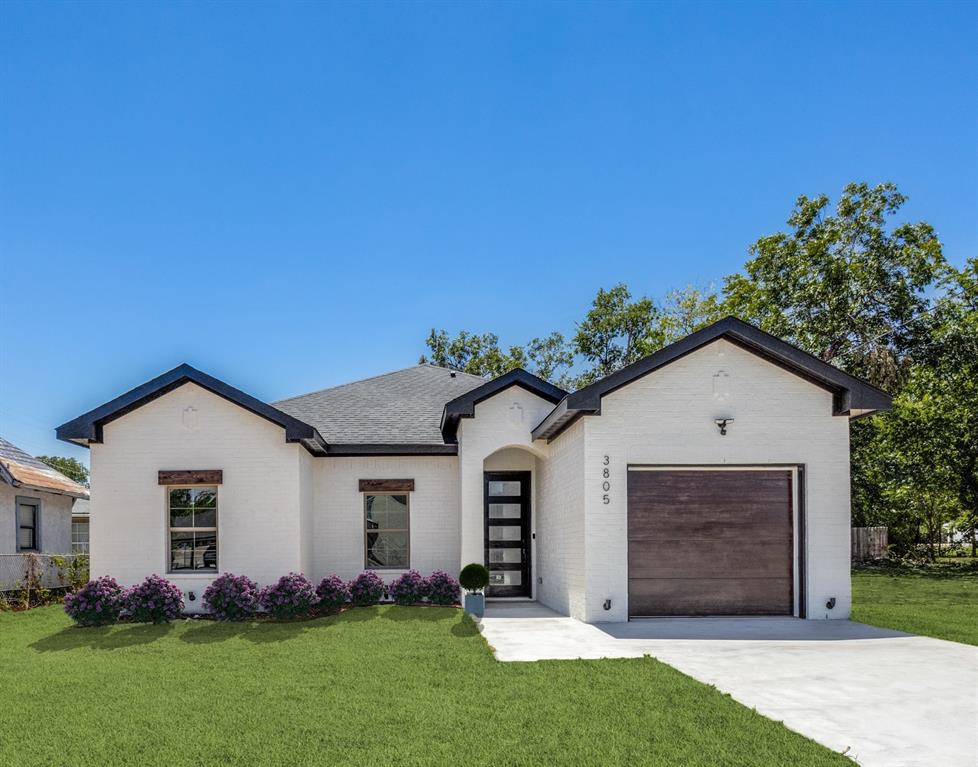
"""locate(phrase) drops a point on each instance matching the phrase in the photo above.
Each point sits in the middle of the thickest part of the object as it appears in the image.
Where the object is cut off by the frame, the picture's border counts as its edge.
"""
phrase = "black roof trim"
(87, 428)
(341, 450)
(464, 406)
(853, 397)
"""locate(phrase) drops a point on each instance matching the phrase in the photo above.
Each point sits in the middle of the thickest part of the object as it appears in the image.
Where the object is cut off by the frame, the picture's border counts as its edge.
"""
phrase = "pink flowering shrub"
(409, 589)
(291, 596)
(367, 589)
(96, 603)
(443, 589)
(333, 592)
(155, 600)
(232, 597)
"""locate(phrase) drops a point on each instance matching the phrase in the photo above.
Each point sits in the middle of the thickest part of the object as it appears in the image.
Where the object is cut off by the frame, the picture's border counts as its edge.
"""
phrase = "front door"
(507, 533)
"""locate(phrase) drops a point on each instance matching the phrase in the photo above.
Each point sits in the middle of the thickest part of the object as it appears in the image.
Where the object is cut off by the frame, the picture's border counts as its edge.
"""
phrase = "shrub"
(333, 592)
(96, 603)
(442, 588)
(155, 600)
(291, 596)
(367, 589)
(409, 589)
(232, 597)
(474, 577)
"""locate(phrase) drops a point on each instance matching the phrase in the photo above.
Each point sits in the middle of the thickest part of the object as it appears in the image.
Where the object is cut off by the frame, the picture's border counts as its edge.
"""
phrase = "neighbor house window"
(28, 522)
(387, 535)
(192, 514)
(79, 536)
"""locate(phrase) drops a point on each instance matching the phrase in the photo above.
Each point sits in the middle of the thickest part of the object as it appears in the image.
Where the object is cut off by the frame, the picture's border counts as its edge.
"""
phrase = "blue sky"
(290, 196)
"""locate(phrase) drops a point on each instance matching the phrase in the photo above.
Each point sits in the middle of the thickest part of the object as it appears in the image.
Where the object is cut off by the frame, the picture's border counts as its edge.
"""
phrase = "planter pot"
(475, 605)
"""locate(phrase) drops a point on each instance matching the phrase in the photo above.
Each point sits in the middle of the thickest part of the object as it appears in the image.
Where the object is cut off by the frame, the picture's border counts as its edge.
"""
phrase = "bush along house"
(711, 478)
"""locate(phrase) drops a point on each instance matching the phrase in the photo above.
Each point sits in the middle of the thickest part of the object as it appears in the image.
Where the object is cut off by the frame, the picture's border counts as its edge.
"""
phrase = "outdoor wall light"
(607, 604)
(722, 425)
(831, 603)
(191, 596)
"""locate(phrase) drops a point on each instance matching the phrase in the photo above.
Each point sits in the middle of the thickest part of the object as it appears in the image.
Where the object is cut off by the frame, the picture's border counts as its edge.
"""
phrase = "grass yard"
(942, 605)
(373, 686)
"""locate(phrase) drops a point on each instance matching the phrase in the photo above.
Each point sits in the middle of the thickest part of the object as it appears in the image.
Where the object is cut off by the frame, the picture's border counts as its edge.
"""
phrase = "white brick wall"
(560, 525)
(667, 418)
(502, 421)
(338, 531)
(258, 503)
(55, 532)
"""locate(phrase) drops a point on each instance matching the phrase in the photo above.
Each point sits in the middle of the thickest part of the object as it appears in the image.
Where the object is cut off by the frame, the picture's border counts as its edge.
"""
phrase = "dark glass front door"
(507, 533)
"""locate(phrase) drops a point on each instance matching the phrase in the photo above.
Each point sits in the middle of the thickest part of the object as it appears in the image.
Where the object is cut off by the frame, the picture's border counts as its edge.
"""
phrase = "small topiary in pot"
(98, 602)
(443, 589)
(367, 589)
(409, 589)
(291, 596)
(333, 593)
(474, 579)
(155, 600)
(232, 597)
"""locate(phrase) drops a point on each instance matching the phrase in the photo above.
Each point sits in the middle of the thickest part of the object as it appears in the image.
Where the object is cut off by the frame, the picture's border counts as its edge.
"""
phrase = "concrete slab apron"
(887, 699)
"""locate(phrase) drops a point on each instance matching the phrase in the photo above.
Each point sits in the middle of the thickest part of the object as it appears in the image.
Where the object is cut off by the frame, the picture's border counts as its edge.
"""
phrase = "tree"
(72, 468)
(549, 357)
(616, 331)
(841, 285)
(472, 353)
(687, 310)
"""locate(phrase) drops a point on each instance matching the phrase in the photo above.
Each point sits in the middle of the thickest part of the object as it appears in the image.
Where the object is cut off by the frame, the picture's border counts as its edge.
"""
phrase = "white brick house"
(709, 478)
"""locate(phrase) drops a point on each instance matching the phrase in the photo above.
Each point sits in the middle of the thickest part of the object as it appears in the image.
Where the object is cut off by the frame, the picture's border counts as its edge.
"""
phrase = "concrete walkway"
(891, 699)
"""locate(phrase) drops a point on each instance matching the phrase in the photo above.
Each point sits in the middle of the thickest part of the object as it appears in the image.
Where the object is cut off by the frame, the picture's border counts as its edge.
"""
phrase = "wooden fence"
(868, 543)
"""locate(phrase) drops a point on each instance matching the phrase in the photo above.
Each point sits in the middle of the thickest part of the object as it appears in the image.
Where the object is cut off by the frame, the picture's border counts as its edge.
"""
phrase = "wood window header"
(386, 485)
(192, 477)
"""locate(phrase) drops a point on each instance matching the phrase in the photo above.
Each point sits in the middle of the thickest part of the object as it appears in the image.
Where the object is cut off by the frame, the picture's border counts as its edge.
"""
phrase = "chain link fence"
(48, 571)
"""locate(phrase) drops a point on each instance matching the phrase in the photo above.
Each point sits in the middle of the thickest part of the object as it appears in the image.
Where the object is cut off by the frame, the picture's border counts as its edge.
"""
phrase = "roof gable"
(464, 406)
(852, 396)
(87, 428)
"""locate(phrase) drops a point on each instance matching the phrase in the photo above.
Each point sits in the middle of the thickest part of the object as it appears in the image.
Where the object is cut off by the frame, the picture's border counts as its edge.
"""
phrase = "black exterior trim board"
(464, 406)
(87, 428)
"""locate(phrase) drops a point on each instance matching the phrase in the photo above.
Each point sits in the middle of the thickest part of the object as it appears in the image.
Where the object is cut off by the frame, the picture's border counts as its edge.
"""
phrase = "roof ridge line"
(374, 378)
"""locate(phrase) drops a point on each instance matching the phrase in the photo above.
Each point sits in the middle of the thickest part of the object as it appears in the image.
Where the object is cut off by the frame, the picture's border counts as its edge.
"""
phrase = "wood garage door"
(709, 542)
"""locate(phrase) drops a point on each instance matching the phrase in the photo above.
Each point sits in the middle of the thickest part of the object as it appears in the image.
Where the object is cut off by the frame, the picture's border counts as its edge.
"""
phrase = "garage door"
(709, 542)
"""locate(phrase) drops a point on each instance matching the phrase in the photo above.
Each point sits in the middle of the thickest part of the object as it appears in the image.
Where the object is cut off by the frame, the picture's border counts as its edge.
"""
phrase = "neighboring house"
(80, 514)
(35, 504)
(709, 478)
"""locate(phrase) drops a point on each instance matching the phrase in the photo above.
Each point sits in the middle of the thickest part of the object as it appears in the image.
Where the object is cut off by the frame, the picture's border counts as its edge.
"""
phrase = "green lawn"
(374, 686)
(942, 605)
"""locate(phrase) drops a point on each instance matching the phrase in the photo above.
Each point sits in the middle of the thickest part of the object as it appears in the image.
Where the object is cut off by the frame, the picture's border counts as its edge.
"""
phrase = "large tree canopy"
(841, 284)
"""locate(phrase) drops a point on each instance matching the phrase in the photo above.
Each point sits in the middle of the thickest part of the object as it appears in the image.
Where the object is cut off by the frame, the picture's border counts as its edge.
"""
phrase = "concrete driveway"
(883, 697)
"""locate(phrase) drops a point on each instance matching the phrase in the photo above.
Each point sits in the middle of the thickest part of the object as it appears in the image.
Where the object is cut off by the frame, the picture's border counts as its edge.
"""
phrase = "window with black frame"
(386, 531)
(192, 515)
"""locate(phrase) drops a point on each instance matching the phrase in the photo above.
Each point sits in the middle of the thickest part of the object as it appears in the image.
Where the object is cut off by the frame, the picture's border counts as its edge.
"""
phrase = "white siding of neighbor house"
(259, 514)
(667, 417)
(55, 529)
(338, 541)
(560, 525)
(500, 422)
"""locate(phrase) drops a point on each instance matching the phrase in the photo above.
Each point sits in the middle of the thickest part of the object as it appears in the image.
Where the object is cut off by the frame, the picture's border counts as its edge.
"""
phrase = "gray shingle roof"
(403, 407)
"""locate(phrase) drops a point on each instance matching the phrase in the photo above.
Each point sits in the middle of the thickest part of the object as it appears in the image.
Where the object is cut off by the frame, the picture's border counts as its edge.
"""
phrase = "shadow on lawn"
(102, 637)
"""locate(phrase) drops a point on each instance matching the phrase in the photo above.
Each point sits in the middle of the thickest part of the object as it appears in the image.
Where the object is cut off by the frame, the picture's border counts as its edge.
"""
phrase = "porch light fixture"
(722, 425)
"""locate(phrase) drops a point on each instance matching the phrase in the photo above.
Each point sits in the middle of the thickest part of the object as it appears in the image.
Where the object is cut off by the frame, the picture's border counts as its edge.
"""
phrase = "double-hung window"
(386, 531)
(192, 519)
(28, 522)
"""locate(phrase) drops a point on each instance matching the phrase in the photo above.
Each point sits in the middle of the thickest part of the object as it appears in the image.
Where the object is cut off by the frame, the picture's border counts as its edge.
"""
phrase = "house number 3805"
(605, 484)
